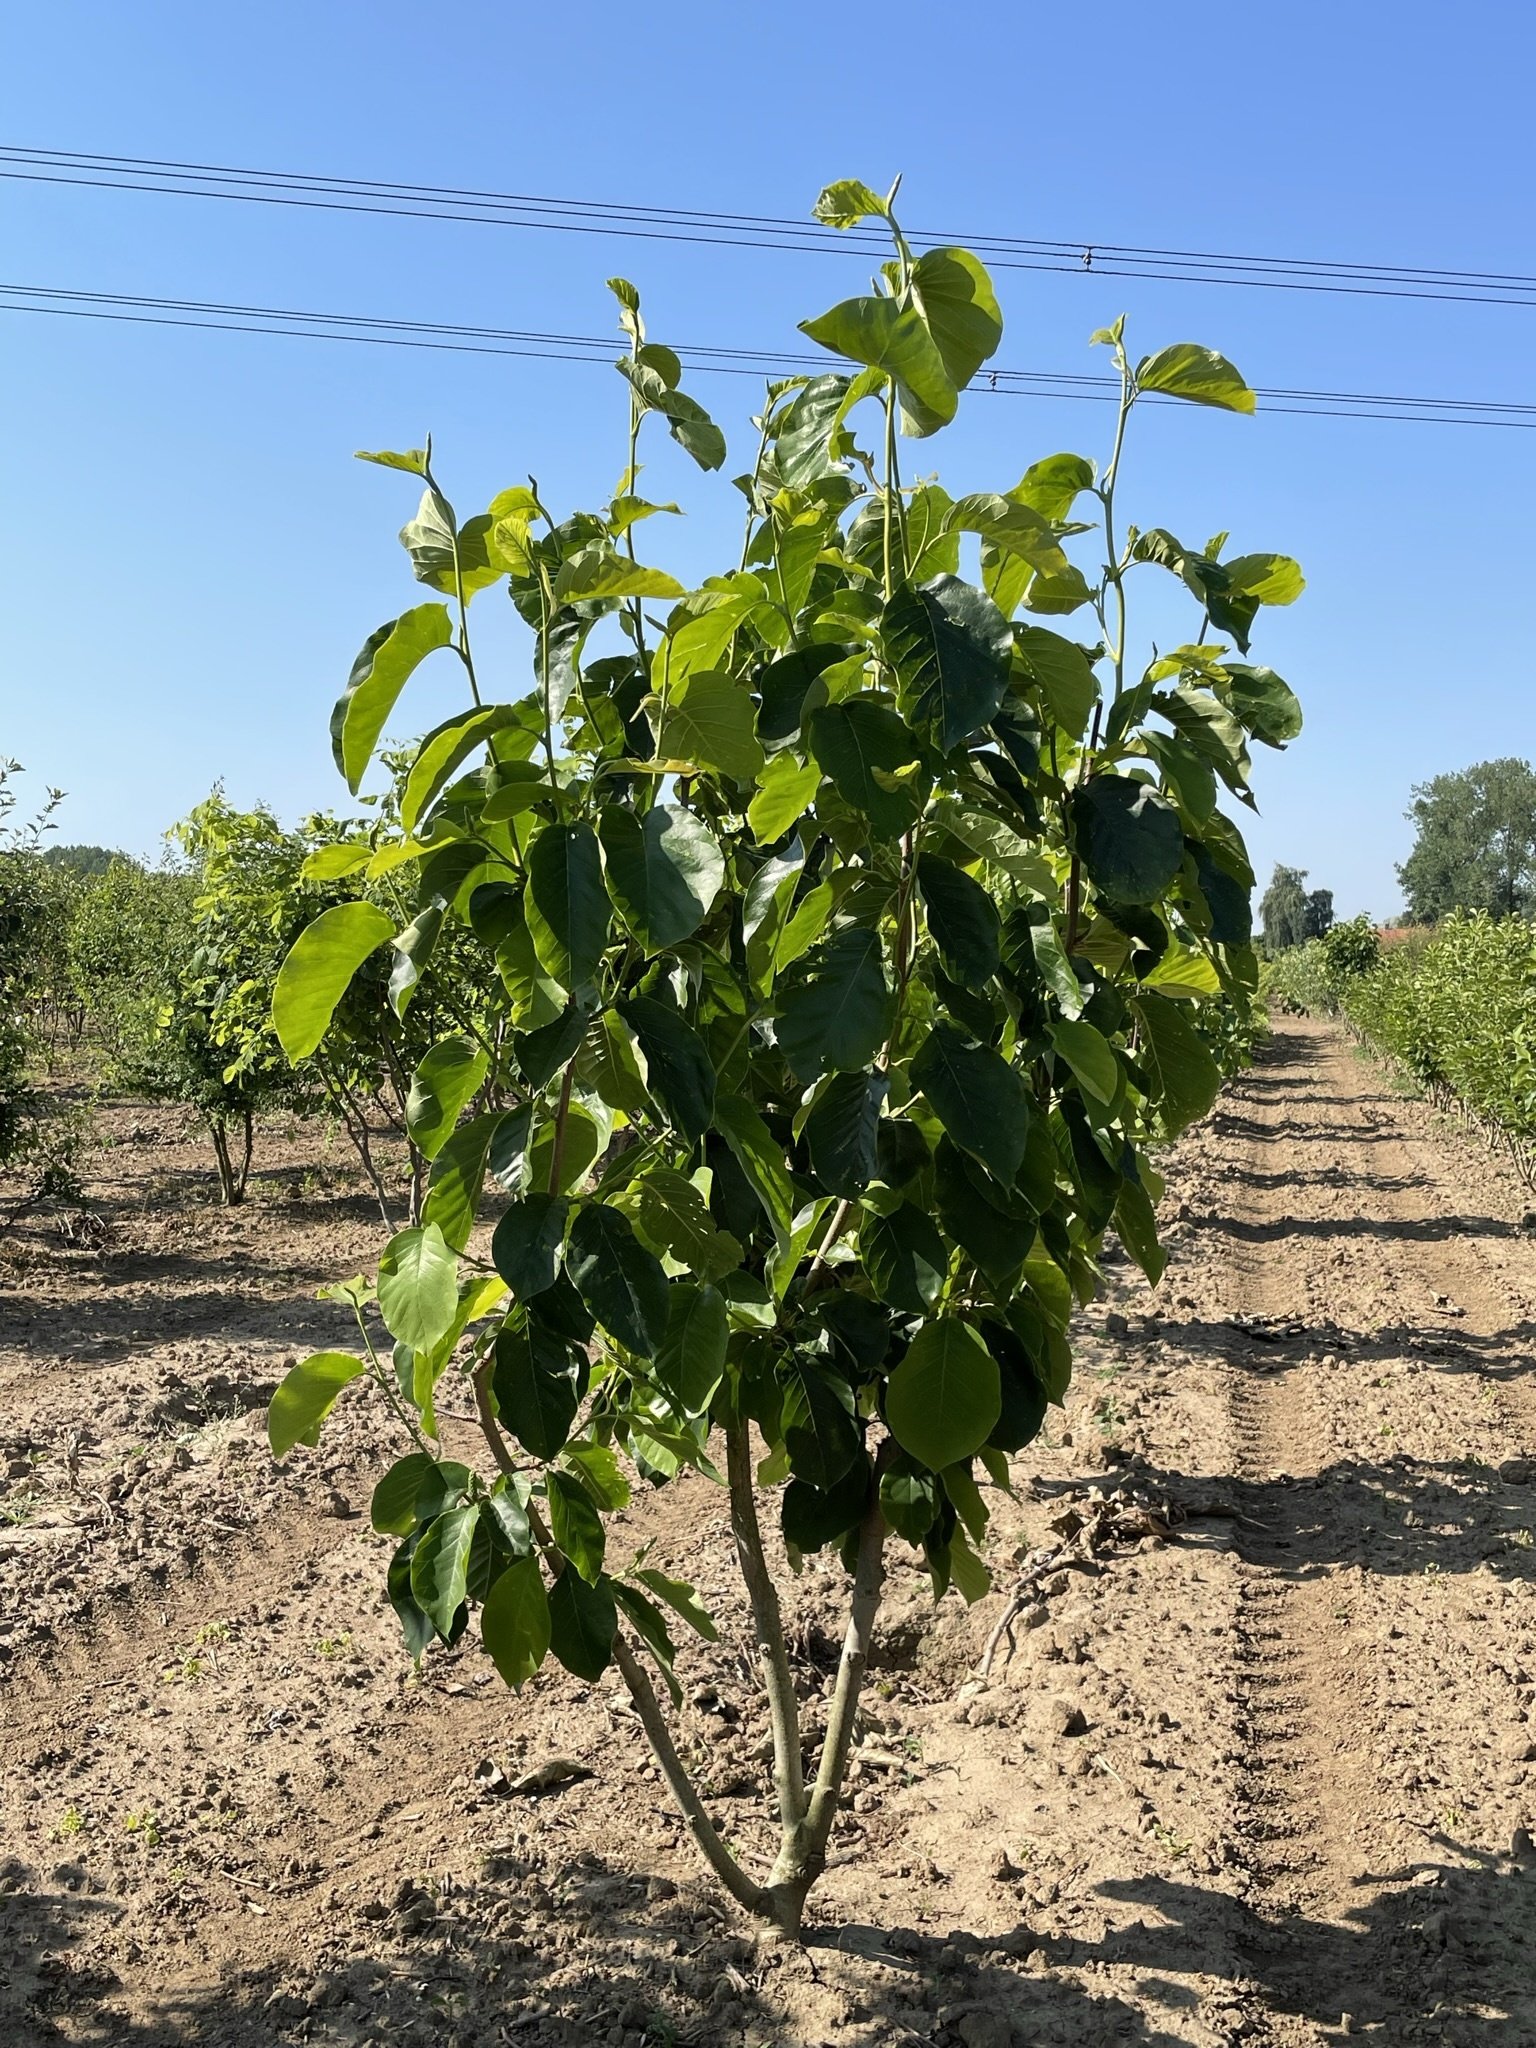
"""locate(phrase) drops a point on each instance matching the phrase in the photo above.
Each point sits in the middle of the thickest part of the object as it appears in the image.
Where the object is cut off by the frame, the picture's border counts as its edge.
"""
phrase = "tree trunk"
(229, 1194)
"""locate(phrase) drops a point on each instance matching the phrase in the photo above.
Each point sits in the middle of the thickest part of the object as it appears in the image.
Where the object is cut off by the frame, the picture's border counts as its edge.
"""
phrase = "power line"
(170, 178)
(308, 325)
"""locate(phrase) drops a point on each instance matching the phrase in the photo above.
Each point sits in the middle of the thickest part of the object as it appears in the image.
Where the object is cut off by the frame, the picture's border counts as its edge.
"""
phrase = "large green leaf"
(318, 970)
(414, 948)
(444, 1081)
(955, 296)
(1261, 702)
(761, 1158)
(785, 686)
(1090, 1056)
(417, 1478)
(691, 1361)
(950, 647)
(820, 1433)
(418, 1287)
(982, 1217)
(873, 761)
(450, 744)
(575, 1524)
(1185, 370)
(1130, 838)
(962, 920)
(847, 201)
(671, 1214)
(680, 1075)
(458, 1176)
(842, 1129)
(979, 1098)
(896, 339)
(537, 1386)
(525, 1246)
(1186, 1075)
(708, 723)
(1064, 674)
(566, 904)
(904, 1256)
(784, 791)
(839, 1013)
(599, 570)
(381, 671)
(440, 1566)
(582, 1624)
(304, 1398)
(623, 1284)
(514, 1623)
(663, 874)
(943, 1400)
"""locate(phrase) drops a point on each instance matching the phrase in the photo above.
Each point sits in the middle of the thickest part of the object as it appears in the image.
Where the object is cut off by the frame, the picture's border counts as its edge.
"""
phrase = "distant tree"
(85, 861)
(1285, 909)
(1476, 843)
(1319, 913)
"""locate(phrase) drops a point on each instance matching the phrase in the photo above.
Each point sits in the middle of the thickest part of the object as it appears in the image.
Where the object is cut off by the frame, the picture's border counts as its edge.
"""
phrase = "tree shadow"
(1407, 1229)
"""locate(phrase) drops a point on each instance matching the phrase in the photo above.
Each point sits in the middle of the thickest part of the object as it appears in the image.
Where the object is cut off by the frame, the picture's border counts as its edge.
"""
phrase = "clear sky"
(191, 559)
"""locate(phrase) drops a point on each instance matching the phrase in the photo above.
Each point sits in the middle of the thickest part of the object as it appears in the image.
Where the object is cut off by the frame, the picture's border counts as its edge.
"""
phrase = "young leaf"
(896, 339)
(944, 1398)
(515, 1622)
(318, 970)
(305, 1397)
(418, 1287)
(1185, 370)
(389, 658)
(784, 790)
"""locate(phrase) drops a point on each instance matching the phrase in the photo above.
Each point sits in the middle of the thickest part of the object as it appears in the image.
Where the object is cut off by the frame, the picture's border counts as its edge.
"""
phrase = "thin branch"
(868, 1583)
(768, 1622)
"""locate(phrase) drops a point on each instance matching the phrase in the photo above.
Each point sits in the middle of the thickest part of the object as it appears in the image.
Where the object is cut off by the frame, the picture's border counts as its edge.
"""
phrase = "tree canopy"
(1291, 913)
(1476, 842)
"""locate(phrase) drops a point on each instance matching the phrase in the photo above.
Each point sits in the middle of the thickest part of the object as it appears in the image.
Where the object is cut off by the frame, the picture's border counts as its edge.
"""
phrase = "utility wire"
(171, 178)
(307, 325)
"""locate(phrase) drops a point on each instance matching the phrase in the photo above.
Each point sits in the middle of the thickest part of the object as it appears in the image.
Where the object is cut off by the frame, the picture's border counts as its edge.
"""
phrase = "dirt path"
(1260, 1773)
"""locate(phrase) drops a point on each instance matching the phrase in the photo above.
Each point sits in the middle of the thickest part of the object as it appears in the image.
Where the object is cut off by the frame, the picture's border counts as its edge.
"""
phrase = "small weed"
(145, 1827)
(1523, 1537)
(1175, 1845)
(188, 1670)
(334, 1646)
(212, 1632)
(69, 1823)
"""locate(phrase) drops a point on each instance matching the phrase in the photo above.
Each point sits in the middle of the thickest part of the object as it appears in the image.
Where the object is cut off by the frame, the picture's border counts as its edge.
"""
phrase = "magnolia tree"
(849, 928)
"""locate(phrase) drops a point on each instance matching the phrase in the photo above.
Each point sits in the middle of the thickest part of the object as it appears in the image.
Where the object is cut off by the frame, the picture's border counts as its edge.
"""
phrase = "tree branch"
(868, 1583)
(768, 1623)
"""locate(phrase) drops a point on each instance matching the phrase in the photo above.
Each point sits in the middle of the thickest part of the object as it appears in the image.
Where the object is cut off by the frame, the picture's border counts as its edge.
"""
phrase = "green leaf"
(393, 1510)
(566, 904)
(943, 1400)
(1262, 703)
(445, 559)
(981, 1101)
(418, 1287)
(389, 658)
(962, 920)
(645, 1618)
(599, 570)
(761, 1158)
(708, 722)
(584, 1139)
(866, 751)
(582, 1622)
(304, 1398)
(414, 1625)
(331, 863)
(575, 1525)
(525, 1247)
(689, 424)
(1053, 485)
(413, 460)
(982, 1217)
(839, 1014)
(784, 792)
(1266, 578)
(514, 1623)
(673, 1216)
(622, 1283)
(414, 947)
(896, 339)
(440, 1566)
(1129, 837)
(679, 1596)
(820, 1433)
(842, 1129)
(458, 1176)
(537, 1387)
(1055, 968)
(680, 1075)
(1136, 1223)
(1187, 1077)
(1090, 1056)
(1185, 370)
(904, 1256)
(444, 1081)
(449, 745)
(691, 1361)
(950, 647)
(318, 970)
(663, 874)
(784, 688)
(955, 296)
(599, 1471)
(847, 201)
(1064, 674)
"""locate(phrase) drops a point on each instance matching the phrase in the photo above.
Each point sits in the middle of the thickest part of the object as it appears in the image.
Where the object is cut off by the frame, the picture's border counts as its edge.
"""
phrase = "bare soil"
(1260, 1766)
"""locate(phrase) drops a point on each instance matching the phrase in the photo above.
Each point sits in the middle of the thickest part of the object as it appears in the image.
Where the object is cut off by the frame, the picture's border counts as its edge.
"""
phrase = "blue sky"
(192, 559)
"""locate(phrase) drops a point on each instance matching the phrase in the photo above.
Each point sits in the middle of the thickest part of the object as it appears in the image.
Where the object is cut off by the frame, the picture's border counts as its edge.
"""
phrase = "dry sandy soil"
(1260, 1767)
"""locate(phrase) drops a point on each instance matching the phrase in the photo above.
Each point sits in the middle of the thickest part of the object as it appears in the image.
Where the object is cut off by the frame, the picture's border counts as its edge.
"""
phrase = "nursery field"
(1255, 1760)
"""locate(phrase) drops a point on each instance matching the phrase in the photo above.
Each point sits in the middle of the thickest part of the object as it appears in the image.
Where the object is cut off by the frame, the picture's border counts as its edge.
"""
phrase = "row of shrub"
(1455, 1008)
